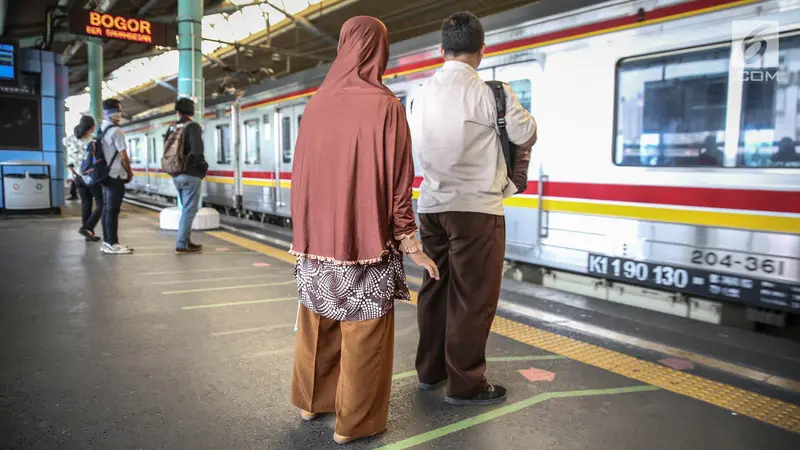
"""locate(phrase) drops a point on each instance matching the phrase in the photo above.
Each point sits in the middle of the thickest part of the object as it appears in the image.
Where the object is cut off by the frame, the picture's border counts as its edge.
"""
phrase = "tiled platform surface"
(156, 350)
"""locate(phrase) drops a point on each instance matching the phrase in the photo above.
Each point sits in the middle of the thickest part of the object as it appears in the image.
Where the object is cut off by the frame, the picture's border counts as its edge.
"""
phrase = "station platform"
(157, 350)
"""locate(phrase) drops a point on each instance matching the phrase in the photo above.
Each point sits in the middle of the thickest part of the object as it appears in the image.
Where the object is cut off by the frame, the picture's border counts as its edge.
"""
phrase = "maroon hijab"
(353, 172)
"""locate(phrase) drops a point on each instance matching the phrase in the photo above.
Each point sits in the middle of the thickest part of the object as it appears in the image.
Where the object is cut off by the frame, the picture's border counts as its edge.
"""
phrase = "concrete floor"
(108, 352)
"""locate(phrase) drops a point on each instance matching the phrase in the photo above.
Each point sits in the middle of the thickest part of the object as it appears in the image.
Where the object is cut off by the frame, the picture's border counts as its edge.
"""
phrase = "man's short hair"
(462, 33)
(112, 103)
(184, 106)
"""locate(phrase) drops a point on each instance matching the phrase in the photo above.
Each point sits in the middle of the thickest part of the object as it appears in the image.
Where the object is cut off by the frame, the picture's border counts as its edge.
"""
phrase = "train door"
(269, 142)
(257, 170)
(152, 163)
(288, 125)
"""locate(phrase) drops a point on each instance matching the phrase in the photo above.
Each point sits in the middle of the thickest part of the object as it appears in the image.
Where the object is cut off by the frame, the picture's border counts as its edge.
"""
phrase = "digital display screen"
(8, 70)
(123, 28)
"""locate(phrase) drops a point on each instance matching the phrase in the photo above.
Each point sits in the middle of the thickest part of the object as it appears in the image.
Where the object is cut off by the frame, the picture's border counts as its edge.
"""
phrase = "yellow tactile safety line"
(250, 244)
(766, 409)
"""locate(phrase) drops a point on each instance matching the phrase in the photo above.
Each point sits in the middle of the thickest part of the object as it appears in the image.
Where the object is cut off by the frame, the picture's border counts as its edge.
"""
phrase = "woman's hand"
(421, 259)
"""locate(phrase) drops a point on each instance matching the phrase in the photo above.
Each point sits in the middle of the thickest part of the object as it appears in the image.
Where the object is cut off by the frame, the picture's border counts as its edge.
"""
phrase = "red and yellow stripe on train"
(758, 210)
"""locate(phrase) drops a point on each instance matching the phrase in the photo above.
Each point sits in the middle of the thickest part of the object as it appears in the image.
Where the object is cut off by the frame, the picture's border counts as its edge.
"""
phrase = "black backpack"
(509, 148)
(95, 169)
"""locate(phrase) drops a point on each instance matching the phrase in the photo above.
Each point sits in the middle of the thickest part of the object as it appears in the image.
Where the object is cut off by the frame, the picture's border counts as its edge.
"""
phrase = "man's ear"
(441, 50)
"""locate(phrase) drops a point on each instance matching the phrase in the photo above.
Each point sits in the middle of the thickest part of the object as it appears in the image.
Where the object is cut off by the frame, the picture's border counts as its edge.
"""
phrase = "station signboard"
(122, 28)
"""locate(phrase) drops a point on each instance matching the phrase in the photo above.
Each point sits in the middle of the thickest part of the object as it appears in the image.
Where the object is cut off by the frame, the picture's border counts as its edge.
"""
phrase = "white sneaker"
(115, 249)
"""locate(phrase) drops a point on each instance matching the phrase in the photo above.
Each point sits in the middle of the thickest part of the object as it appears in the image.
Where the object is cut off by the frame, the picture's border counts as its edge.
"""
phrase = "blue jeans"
(189, 190)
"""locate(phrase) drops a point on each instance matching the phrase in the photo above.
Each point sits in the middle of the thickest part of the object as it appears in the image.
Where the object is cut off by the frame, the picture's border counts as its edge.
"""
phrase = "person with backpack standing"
(458, 131)
(115, 154)
(184, 160)
(76, 151)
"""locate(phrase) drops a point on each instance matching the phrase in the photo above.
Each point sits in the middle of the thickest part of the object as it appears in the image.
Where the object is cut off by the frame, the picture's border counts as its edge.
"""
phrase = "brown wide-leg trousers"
(455, 313)
(346, 368)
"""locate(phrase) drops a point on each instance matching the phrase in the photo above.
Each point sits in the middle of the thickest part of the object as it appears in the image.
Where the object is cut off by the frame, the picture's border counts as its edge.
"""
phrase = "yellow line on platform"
(766, 409)
(760, 407)
(605, 333)
(272, 252)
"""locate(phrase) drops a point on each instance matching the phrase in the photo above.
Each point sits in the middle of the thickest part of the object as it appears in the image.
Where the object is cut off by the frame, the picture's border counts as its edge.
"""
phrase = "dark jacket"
(196, 164)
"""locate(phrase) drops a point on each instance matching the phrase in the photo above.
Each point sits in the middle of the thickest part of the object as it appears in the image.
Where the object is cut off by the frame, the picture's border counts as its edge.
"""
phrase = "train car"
(666, 175)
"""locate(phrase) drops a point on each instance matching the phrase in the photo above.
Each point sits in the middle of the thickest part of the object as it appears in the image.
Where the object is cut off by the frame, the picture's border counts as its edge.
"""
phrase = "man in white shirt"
(465, 179)
(119, 174)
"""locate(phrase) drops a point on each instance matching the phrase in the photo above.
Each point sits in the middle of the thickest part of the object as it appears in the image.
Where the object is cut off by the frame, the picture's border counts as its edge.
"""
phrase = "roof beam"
(147, 6)
(271, 49)
(305, 23)
(164, 84)
(230, 9)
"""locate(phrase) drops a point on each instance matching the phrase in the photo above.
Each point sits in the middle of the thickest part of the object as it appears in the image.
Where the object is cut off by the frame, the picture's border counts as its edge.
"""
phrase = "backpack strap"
(103, 132)
(500, 106)
(116, 151)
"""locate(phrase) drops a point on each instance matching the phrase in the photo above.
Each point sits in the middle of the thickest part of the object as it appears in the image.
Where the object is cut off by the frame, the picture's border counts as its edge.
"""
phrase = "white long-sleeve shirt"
(455, 138)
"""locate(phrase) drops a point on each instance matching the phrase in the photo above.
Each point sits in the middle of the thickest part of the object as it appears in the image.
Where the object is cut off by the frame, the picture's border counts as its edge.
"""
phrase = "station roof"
(273, 38)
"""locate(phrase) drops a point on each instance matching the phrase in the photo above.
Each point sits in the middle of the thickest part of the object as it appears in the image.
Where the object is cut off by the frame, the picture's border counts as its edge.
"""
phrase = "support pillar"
(95, 66)
(190, 38)
(191, 84)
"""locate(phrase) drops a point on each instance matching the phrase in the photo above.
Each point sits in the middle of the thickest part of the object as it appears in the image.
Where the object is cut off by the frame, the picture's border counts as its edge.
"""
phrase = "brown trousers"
(455, 313)
(346, 368)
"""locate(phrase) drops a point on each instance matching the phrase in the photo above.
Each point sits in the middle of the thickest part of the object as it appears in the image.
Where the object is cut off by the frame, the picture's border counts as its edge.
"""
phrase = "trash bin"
(26, 191)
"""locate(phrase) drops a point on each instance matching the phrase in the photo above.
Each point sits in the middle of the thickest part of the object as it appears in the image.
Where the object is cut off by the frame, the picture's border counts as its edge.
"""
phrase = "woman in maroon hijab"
(351, 206)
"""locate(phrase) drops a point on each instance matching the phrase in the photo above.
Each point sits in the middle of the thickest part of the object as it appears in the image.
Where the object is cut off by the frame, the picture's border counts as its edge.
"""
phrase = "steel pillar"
(236, 155)
(95, 66)
(190, 69)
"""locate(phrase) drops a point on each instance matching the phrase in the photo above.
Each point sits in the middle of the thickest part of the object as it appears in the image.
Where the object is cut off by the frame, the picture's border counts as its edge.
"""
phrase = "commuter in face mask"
(120, 173)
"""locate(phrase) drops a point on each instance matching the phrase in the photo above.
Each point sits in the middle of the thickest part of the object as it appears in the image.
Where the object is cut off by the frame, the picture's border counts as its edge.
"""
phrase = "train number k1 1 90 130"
(702, 283)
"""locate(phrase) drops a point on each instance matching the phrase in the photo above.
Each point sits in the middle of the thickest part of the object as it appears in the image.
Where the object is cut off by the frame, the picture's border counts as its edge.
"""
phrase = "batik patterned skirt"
(351, 292)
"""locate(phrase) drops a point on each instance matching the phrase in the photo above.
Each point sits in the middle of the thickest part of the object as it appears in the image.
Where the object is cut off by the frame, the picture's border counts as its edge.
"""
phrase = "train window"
(223, 144)
(671, 109)
(523, 90)
(134, 150)
(769, 135)
(286, 140)
(267, 128)
(521, 77)
(402, 99)
(252, 142)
